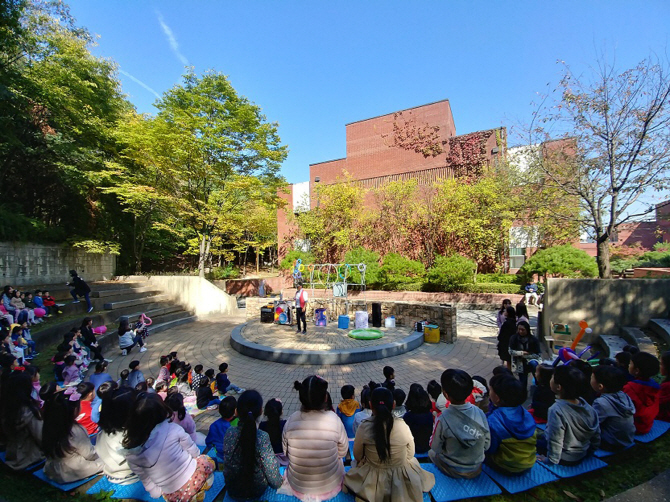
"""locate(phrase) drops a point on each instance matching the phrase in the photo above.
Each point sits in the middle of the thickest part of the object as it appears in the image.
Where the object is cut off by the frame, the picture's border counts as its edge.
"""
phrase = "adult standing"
(301, 308)
(80, 288)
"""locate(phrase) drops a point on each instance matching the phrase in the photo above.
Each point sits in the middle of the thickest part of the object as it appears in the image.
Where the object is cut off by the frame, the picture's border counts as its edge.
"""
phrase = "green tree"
(449, 272)
(371, 261)
(397, 271)
(223, 154)
(560, 261)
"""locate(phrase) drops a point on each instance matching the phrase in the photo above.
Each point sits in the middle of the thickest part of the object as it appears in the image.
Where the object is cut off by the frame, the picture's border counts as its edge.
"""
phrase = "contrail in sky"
(172, 40)
(139, 82)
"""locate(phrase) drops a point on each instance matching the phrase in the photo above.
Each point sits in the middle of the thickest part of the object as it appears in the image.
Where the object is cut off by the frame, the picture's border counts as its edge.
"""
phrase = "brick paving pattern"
(207, 342)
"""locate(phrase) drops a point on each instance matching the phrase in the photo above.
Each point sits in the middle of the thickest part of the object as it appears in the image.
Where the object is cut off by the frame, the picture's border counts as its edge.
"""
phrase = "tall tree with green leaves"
(226, 154)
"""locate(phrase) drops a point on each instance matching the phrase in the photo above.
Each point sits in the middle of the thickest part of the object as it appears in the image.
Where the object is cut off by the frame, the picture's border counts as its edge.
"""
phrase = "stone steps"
(135, 302)
(637, 337)
(661, 328)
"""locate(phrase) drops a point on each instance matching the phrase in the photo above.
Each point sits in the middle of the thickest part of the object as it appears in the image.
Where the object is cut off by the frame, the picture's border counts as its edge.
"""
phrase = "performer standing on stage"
(301, 307)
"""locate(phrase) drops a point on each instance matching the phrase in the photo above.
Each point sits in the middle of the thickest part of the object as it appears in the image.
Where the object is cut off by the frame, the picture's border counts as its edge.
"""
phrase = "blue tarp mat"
(65, 487)
(563, 471)
(514, 484)
(447, 489)
(657, 430)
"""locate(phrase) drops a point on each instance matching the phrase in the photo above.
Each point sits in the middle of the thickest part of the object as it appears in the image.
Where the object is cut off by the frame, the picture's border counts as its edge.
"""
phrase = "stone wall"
(23, 264)
(606, 304)
(406, 313)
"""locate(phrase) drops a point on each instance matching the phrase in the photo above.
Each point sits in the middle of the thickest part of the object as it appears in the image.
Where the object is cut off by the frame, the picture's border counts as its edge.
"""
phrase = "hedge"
(491, 287)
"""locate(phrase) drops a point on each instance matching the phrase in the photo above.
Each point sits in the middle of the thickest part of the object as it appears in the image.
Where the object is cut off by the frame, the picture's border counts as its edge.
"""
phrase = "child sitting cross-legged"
(399, 399)
(419, 418)
(223, 383)
(438, 401)
(218, 429)
(543, 397)
(71, 374)
(70, 456)
(615, 409)
(572, 429)
(644, 391)
(86, 391)
(462, 433)
(180, 416)
(249, 465)
(386, 469)
(513, 430)
(366, 412)
(348, 406)
(205, 397)
(274, 425)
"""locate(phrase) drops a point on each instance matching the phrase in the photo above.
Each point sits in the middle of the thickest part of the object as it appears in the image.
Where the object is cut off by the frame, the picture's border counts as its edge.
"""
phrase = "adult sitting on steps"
(128, 338)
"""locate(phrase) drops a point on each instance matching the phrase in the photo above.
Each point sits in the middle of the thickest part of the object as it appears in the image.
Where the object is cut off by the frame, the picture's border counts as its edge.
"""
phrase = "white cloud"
(139, 82)
(172, 40)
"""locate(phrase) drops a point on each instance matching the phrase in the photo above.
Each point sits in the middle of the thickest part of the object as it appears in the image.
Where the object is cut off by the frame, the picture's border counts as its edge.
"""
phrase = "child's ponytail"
(382, 404)
(249, 408)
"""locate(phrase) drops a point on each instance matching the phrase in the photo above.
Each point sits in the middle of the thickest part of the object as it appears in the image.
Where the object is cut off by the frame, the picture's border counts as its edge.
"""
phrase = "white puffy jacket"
(315, 442)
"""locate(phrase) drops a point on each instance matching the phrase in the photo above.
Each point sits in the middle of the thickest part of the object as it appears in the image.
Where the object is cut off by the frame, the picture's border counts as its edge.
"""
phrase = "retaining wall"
(406, 313)
(606, 304)
(24, 264)
(194, 293)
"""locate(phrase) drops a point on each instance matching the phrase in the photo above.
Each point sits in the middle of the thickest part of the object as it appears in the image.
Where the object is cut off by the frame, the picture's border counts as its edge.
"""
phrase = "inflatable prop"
(100, 330)
(584, 329)
(366, 334)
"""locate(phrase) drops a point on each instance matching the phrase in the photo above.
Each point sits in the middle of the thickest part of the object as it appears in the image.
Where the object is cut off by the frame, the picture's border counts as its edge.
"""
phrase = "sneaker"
(240, 391)
(304, 332)
(108, 360)
(60, 311)
(77, 301)
(124, 352)
(90, 310)
(143, 349)
(213, 407)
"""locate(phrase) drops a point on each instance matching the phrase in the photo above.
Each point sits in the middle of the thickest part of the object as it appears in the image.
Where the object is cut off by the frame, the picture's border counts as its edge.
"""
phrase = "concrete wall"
(406, 313)
(249, 287)
(24, 264)
(194, 293)
(606, 305)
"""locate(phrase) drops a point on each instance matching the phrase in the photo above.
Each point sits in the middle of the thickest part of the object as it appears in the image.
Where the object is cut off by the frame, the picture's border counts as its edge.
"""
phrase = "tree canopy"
(560, 261)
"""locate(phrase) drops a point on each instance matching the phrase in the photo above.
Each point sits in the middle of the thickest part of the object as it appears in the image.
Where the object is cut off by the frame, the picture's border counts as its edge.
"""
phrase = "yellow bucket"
(431, 333)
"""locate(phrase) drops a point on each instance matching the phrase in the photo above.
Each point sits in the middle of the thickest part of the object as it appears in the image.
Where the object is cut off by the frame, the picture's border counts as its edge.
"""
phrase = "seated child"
(196, 377)
(175, 402)
(227, 410)
(586, 391)
(615, 409)
(623, 360)
(50, 303)
(150, 385)
(205, 397)
(419, 418)
(211, 381)
(389, 375)
(438, 401)
(572, 429)
(274, 425)
(71, 375)
(366, 412)
(161, 389)
(164, 372)
(513, 430)
(182, 381)
(643, 390)
(664, 395)
(70, 456)
(123, 380)
(223, 384)
(135, 376)
(480, 393)
(462, 433)
(543, 397)
(84, 418)
(348, 406)
(399, 400)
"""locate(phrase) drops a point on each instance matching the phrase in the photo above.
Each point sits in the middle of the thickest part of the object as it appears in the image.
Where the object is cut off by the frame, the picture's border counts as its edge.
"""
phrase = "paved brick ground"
(316, 338)
(207, 342)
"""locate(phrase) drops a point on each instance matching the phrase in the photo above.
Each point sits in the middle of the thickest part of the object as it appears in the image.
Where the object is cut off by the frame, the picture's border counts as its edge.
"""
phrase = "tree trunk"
(257, 260)
(603, 257)
(202, 256)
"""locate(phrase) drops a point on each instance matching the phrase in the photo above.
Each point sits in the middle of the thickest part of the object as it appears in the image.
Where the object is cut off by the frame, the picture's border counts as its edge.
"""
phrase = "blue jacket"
(222, 382)
(215, 435)
(513, 438)
(38, 301)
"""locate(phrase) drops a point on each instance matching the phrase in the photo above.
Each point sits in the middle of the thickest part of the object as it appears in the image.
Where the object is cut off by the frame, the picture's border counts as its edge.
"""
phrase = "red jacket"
(84, 418)
(664, 402)
(645, 397)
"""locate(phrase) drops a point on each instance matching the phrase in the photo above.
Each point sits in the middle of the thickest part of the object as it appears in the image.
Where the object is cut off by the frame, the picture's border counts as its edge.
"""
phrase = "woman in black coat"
(89, 338)
(506, 332)
(80, 288)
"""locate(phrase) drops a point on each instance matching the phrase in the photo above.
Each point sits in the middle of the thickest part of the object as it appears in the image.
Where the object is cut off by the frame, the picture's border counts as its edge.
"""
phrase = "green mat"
(366, 334)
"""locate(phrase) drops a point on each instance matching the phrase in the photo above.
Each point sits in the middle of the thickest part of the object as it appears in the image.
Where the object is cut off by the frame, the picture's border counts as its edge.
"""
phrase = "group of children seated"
(139, 429)
(18, 307)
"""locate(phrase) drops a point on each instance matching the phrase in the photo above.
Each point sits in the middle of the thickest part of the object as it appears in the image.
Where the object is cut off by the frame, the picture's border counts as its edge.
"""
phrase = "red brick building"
(416, 143)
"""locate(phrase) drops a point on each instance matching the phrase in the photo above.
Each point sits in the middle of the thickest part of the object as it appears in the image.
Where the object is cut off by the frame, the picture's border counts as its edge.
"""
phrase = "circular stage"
(321, 345)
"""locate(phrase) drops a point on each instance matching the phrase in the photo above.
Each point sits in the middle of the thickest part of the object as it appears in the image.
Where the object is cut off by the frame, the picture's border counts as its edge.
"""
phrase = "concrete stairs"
(111, 300)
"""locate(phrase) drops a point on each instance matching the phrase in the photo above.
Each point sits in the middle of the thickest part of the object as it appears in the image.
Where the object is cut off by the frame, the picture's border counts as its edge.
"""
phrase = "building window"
(517, 257)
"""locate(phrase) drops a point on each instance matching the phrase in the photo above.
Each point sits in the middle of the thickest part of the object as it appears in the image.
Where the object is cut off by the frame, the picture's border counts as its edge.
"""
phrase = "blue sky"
(315, 66)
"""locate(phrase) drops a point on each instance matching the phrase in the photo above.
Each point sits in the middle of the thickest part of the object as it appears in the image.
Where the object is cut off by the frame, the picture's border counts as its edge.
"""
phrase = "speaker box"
(376, 315)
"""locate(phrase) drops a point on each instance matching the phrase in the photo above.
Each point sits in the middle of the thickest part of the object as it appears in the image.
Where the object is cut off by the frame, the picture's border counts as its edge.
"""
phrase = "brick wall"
(406, 313)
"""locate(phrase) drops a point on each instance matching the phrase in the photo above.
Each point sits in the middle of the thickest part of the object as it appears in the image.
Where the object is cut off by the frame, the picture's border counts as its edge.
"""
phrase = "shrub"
(561, 261)
(490, 287)
(449, 271)
(222, 273)
(500, 278)
(292, 256)
(396, 271)
(372, 269)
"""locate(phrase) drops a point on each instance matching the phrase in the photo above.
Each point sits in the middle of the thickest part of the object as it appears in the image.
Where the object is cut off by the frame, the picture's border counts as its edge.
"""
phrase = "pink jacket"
(188, 424)
(166, 461)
